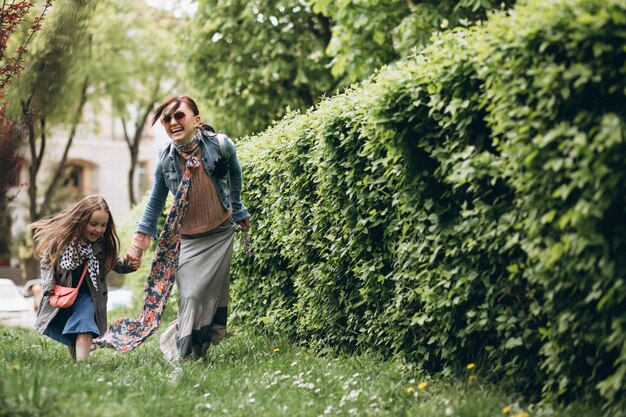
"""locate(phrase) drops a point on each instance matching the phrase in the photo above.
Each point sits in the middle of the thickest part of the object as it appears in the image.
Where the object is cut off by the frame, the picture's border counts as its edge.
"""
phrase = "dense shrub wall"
(465, 205)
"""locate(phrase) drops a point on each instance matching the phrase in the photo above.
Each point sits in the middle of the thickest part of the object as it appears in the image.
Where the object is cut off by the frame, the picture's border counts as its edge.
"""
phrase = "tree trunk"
(35, 155)
(60, 171)
(133, 146)
(134, 152)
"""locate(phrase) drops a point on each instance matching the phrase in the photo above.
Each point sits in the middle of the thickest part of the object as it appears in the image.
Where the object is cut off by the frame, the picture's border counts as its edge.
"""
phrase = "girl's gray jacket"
(62, 276)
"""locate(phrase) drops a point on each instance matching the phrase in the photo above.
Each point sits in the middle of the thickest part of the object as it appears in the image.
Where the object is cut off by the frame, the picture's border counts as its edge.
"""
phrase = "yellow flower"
(422, 385)
(471, 366)
(507, 409)
(14, 366)
(276, 350)
(410, 390)
(520, 414)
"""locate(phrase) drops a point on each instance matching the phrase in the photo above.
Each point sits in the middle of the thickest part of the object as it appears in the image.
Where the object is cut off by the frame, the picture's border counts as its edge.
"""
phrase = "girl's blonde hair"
(53, 233)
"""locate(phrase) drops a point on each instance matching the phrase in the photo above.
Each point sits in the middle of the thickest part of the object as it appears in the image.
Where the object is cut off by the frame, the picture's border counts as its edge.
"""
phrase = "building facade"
(98, 163)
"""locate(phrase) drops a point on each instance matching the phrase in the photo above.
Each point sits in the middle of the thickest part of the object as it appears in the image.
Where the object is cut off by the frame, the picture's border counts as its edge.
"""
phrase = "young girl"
(66, 242)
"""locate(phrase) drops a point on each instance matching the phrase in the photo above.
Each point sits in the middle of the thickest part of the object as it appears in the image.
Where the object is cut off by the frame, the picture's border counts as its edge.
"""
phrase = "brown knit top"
(205, 211)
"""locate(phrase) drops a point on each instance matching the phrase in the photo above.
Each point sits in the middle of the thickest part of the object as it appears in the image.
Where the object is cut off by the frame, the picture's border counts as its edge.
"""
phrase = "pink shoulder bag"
(64, 297)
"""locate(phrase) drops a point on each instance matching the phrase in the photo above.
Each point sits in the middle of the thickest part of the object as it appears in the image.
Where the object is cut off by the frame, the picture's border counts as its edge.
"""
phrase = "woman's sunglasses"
(179, 116)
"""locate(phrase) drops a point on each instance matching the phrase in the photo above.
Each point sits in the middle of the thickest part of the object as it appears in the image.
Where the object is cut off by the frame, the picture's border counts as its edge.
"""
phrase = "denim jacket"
(168, 175)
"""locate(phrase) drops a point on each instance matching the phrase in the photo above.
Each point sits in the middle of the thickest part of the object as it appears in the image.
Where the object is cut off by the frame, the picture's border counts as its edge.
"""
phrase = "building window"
(75, 178)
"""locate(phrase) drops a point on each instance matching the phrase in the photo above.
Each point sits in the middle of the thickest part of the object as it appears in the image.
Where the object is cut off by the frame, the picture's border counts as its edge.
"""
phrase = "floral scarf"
(126, 334)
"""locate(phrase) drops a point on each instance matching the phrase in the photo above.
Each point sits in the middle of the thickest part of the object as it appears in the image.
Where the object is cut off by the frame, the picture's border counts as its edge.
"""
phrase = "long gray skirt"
(203, 281)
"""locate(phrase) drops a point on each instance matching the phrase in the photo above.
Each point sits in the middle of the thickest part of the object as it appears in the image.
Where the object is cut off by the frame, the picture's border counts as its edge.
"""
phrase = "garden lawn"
(247, 375)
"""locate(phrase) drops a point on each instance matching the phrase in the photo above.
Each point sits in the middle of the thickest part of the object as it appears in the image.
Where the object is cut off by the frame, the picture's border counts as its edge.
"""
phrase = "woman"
(200, 168)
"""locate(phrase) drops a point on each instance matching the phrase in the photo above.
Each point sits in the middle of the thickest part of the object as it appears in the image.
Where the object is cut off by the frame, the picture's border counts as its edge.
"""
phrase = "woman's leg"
(83, 346)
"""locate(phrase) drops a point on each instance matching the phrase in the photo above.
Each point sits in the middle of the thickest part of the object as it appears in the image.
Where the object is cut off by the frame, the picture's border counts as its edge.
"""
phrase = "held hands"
(141, 242)
(133, 261)
(134, 253)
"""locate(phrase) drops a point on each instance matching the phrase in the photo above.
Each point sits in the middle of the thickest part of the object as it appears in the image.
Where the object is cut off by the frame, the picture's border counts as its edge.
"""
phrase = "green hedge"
(465, 205)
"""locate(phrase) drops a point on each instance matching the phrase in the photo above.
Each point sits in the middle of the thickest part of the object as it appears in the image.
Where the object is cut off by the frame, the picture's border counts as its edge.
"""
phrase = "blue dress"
(78, 318)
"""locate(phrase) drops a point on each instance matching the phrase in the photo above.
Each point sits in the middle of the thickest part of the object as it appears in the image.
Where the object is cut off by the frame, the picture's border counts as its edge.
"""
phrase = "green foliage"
(133, 63)
(466, 205)
(134, 54)
(250, 61)
(367, 34)
(52, 78)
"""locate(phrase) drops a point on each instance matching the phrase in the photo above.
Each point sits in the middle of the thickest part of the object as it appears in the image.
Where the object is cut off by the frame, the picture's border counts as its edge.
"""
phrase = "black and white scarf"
(75, 254)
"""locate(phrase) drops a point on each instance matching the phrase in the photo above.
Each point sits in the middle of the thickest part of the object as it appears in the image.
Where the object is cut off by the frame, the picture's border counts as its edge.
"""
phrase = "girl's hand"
(133, 261)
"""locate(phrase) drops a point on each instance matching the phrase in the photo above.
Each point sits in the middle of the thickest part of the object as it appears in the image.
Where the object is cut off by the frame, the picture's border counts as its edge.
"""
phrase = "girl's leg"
(83, 346)
(72, 351)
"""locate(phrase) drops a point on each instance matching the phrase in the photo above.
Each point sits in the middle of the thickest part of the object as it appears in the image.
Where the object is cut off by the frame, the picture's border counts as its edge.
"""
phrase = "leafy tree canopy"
(251, 60)
(52, 80)
(134, 51)
(367, 34)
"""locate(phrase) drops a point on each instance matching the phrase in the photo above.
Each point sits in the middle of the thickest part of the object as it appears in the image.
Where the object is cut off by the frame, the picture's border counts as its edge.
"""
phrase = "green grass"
(247, 375)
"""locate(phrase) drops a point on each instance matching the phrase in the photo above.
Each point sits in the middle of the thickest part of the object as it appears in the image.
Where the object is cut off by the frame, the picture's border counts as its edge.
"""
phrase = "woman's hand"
(141, 242)
(133, 253)
(245, 224)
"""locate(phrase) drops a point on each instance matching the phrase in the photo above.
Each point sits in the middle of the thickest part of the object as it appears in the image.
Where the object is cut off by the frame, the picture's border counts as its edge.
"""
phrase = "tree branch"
(126, 137)
(36, 26)
(58, 174)
(34, 165)
(42, 142)
(134, 147)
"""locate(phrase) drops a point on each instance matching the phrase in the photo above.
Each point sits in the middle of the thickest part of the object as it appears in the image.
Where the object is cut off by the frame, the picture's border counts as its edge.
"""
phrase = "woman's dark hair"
(178, 100)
